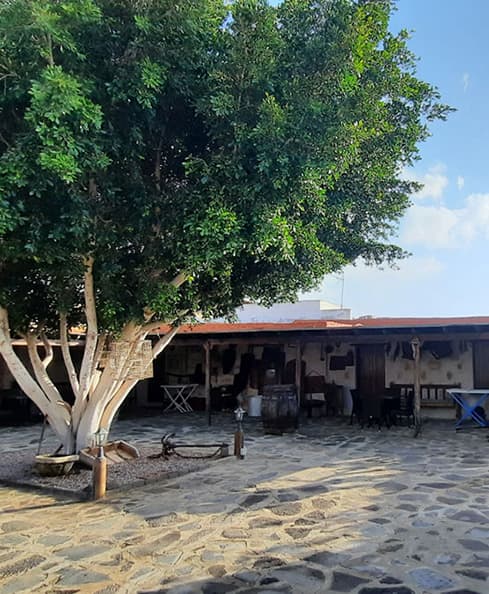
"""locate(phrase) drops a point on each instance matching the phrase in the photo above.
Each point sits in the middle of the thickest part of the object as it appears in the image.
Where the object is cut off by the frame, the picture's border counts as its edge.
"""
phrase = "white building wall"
(317, 361)
(314, 309)
(456, 369)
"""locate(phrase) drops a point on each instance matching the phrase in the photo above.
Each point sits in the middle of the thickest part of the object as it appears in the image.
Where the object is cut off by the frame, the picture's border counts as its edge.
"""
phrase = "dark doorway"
(480, 353)
(371, 370)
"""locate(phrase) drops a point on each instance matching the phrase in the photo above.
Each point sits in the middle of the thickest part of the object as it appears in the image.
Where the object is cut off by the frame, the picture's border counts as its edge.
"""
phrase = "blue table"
(470, 401)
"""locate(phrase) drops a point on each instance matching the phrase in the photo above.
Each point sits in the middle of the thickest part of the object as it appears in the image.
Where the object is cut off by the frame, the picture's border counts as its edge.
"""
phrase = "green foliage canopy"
(255, 148)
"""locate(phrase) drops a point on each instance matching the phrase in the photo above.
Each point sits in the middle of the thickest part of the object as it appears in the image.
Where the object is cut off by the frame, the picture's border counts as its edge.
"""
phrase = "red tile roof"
(359, 323)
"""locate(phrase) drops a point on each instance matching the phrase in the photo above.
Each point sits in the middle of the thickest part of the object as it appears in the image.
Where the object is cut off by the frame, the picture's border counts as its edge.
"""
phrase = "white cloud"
(465, 81)
(383, 291)
(460, 182)
(428, 225)
(475, 216)
(391, 292)
(414, 268)
(434, 181)
(441, 227)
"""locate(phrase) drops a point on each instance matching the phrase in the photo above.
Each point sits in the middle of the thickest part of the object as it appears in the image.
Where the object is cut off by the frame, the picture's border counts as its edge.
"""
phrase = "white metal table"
(179, 396)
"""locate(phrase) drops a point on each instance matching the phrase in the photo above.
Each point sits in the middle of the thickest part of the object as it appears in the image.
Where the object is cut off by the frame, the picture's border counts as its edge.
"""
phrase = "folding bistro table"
(471, 403)
(179, 395)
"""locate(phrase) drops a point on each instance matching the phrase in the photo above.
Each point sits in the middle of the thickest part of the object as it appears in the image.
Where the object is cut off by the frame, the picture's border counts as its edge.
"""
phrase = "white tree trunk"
(112, 389)
(91, 340)
(57, 414)
(65, 349)
(98, 393)
(101, 408)
(115, 403)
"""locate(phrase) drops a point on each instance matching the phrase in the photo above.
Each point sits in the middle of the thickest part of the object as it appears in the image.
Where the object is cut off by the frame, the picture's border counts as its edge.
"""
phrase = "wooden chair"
(315, 393)
(334, 398)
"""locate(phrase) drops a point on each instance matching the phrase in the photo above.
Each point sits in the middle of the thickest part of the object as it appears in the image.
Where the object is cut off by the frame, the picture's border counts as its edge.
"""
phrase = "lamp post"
(239, 449)
(99, 476)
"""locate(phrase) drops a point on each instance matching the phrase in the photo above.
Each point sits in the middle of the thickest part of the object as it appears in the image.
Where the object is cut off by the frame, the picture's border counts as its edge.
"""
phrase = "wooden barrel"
(279, 409)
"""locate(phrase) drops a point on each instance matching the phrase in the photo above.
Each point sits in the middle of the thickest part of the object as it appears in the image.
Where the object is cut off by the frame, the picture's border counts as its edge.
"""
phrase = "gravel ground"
(18, 467)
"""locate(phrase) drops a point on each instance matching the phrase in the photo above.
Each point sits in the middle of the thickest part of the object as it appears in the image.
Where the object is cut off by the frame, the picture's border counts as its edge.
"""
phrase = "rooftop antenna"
(341, 278)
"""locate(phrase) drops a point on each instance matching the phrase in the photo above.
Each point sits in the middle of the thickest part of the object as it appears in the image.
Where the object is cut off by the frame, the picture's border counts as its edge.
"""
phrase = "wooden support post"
(298, 371)
(99, 474)
(239, 444)
(207, 350)
(415, 344)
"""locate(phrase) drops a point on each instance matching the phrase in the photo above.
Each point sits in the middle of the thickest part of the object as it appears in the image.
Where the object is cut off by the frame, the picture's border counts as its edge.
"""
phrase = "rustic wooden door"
(480, 355)
(371, 370)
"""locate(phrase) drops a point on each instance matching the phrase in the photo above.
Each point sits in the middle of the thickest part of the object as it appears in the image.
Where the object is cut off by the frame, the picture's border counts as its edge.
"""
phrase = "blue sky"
(447, 227)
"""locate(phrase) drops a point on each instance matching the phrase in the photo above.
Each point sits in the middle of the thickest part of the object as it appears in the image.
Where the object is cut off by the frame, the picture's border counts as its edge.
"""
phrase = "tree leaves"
(255, 147)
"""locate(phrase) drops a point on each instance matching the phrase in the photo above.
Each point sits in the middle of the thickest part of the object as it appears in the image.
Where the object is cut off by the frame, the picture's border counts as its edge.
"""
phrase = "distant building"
(311, 309)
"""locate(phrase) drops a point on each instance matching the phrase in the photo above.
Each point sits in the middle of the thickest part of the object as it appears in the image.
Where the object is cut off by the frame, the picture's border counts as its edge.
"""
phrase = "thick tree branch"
(86, 414)
(154, 326)
(65, 350)
(50, 56)
(100, 349)
(39, 369)
(129, 333)
(95, 375)
(179, 279)
(124, 366)
(92, 331)
(157, 169)
(164, 341)
(92, 187)
(48, 350)
(58, 416)
(176, 282)
(113, 405)
(3, 139)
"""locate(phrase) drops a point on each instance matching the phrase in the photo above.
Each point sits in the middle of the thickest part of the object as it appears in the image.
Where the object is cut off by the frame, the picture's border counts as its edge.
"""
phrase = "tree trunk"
(57, 414)
(98, 393)
(102, 405)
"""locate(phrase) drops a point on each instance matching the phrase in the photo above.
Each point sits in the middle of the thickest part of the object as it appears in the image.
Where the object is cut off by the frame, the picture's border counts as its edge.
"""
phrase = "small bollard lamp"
(99, 476)
(239, 449)
(100, 438)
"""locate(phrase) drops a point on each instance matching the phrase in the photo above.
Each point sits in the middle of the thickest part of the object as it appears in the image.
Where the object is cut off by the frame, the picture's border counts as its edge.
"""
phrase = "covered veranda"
(378, 358)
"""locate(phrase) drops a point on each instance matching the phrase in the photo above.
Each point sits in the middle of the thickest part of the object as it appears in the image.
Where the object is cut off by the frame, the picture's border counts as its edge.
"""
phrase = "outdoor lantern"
(100, 437)
(99, 477)
(239, 414)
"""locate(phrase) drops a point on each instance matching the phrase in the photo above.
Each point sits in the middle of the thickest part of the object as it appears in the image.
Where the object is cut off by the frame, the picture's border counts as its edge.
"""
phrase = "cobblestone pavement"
(331, 508)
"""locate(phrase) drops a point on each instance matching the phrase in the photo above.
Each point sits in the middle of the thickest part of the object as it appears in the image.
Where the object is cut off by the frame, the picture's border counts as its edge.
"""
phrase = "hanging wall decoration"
(131, 361)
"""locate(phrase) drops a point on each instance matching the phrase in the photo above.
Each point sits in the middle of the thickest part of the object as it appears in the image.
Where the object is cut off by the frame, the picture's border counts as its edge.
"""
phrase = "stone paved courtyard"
(332, 508)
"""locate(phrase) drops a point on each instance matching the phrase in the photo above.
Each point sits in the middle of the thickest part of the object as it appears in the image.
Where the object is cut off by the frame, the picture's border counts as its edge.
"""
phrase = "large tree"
(163, 157)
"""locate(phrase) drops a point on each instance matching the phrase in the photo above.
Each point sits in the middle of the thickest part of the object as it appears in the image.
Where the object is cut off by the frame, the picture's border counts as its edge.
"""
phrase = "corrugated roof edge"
(371, 323)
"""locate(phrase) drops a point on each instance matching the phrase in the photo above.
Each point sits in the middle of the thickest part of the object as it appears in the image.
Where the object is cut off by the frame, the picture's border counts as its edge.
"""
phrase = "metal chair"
(373, 412)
